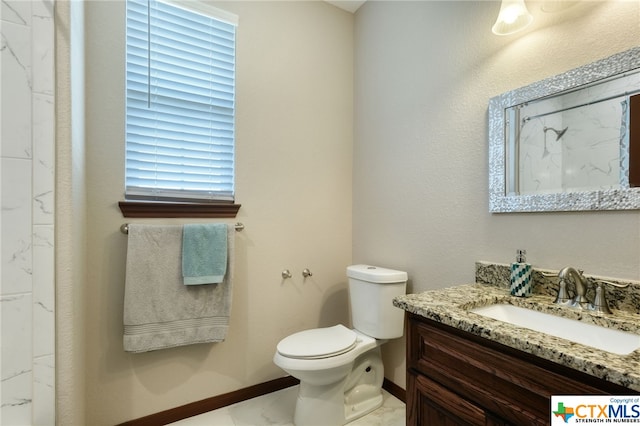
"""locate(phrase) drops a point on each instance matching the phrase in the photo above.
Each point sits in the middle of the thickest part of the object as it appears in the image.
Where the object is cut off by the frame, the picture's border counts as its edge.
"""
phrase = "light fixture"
(512, 18)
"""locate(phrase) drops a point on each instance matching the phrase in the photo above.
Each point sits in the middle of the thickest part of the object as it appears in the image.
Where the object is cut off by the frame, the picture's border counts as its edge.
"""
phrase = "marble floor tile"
(276, 409)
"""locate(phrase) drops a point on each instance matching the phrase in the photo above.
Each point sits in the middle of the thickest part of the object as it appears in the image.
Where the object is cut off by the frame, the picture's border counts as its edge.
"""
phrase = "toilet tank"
(371, 293)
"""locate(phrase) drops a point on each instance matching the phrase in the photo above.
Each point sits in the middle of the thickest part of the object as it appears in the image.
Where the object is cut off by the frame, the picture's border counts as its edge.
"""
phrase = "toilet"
(340, 369)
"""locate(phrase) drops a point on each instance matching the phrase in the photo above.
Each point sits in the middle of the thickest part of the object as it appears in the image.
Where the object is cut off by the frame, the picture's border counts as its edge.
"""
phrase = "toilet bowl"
(338, 384)
(340, 369)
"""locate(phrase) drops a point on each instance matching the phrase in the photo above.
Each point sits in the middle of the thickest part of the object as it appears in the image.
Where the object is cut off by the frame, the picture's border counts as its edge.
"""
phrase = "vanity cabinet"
(457, 378)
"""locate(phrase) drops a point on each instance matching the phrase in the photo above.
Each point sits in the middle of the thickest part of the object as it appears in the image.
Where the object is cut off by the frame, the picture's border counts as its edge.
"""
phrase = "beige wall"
(424, 73)
(294, 156)
(71, 215)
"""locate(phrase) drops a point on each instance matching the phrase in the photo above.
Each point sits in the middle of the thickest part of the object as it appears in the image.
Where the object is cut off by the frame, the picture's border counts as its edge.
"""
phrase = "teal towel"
(204, 253)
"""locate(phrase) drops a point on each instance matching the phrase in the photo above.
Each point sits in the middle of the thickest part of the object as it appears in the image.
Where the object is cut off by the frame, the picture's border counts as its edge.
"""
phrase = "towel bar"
(124, 228)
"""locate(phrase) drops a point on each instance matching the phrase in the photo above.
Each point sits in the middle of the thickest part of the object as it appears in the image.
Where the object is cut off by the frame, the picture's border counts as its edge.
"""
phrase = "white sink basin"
(606, 339)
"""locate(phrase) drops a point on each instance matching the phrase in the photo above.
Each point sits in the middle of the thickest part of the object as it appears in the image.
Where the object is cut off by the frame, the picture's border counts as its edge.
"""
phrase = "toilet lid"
(318, 342)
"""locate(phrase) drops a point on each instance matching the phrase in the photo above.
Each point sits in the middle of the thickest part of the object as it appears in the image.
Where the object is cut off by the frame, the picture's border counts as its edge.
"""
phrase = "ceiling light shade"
(512, 18)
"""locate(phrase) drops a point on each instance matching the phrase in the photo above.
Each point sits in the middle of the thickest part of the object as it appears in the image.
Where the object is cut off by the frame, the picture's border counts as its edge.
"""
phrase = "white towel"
(159, 311)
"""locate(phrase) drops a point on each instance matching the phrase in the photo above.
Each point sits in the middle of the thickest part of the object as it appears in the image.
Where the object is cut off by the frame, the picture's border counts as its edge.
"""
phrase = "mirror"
(566, 143)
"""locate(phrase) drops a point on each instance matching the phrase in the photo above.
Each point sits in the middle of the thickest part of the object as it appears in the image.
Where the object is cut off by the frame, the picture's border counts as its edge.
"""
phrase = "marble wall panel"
(16, 91)
(16, 11)
(43, 291)
(43, 158)
(16, 226)
(16, 352)
(44, 398)
(42, 49)
(27, 181)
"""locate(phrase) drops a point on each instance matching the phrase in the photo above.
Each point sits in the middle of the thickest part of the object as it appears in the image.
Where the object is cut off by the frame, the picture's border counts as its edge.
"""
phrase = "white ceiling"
(348, 5)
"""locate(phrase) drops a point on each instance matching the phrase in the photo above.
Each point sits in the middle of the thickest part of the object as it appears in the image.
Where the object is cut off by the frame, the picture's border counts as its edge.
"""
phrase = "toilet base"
(363, 389)
(370, 402)
(320, 405)
(358, 394)
(316, 409)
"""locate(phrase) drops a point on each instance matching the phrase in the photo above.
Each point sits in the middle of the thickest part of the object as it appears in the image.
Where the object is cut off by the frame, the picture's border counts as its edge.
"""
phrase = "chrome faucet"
(580, 300)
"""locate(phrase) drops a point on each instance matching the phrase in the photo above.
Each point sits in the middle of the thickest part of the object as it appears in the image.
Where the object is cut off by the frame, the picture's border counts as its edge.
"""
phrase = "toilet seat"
(318, 343)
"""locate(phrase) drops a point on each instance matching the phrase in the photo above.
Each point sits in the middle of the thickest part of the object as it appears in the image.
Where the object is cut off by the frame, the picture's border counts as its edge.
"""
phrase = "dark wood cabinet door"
(435, 405)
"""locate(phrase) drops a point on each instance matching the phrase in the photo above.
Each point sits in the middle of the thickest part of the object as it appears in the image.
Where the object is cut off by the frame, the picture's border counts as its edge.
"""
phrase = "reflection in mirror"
(563, 143)
(589, 155)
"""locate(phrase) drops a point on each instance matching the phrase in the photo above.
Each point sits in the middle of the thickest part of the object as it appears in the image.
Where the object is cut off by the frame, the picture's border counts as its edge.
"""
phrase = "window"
(180, 102)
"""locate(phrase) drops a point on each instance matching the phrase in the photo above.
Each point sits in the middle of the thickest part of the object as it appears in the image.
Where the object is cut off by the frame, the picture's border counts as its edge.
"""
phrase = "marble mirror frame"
(499, 201)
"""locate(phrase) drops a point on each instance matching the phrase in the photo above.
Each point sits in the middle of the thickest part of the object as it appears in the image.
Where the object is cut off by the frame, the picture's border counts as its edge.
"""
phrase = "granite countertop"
(450, 306)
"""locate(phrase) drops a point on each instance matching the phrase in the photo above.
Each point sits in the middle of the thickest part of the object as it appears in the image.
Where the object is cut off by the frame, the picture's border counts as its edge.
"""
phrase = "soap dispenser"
(521, 282)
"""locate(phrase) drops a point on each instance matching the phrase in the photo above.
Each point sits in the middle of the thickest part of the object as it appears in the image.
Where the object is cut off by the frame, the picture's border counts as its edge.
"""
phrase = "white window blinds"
(180, 70)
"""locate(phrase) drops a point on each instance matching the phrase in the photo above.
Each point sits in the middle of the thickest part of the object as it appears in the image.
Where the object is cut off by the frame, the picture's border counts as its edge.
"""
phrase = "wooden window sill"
(189, 210)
